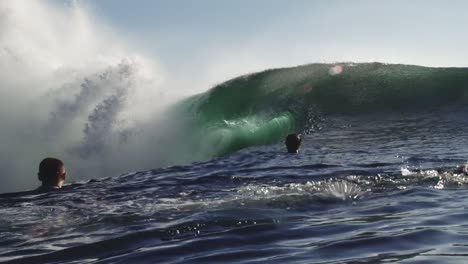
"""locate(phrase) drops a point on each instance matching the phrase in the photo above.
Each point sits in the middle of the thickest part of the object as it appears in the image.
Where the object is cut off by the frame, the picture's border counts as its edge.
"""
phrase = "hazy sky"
(224, 38)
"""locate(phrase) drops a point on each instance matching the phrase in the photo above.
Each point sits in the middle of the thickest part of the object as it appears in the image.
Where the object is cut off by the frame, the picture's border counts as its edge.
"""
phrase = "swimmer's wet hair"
(293, 142)
(49, 170)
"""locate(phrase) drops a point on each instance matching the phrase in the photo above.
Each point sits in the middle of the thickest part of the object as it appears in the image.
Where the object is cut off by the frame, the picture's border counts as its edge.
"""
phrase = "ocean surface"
(374, 182)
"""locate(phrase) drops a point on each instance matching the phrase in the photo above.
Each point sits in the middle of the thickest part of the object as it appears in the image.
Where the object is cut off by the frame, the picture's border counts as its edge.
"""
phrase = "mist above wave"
(71, 89)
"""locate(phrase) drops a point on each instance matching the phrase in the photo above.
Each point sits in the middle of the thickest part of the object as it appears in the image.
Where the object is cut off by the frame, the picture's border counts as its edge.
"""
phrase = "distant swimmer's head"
(52, 172)
(293, 143)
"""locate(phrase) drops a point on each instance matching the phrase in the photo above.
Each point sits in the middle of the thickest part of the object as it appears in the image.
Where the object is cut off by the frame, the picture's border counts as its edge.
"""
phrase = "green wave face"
(262, 108)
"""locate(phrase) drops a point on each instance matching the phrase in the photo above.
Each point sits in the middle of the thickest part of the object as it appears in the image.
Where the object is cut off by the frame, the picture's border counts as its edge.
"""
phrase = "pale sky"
(216, 39)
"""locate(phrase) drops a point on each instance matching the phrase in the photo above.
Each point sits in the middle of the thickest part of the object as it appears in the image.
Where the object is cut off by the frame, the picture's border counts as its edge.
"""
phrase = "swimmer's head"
(293, 143)
(52, 172)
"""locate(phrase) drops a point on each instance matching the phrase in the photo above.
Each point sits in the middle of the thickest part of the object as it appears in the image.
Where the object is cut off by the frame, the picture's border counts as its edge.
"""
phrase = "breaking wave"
(105, 110)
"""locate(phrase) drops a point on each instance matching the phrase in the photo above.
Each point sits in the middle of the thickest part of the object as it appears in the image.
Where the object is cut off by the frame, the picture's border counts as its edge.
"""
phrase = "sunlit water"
(368, 188)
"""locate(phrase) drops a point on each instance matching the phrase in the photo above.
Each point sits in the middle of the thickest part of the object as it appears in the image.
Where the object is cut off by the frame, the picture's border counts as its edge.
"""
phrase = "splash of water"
(73, 90)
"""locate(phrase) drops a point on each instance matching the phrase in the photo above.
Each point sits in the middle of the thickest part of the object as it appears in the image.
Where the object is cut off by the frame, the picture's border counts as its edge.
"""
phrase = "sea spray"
(70, 89)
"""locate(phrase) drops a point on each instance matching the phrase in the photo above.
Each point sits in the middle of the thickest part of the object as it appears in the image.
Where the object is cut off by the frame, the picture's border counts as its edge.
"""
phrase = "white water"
(71, 89)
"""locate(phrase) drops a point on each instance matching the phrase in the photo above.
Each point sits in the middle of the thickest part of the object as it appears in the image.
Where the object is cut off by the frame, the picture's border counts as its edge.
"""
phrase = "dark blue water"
(366, 188)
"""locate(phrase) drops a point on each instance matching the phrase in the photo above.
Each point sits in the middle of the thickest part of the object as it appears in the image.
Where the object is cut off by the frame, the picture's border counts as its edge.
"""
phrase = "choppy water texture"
(366, 188)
